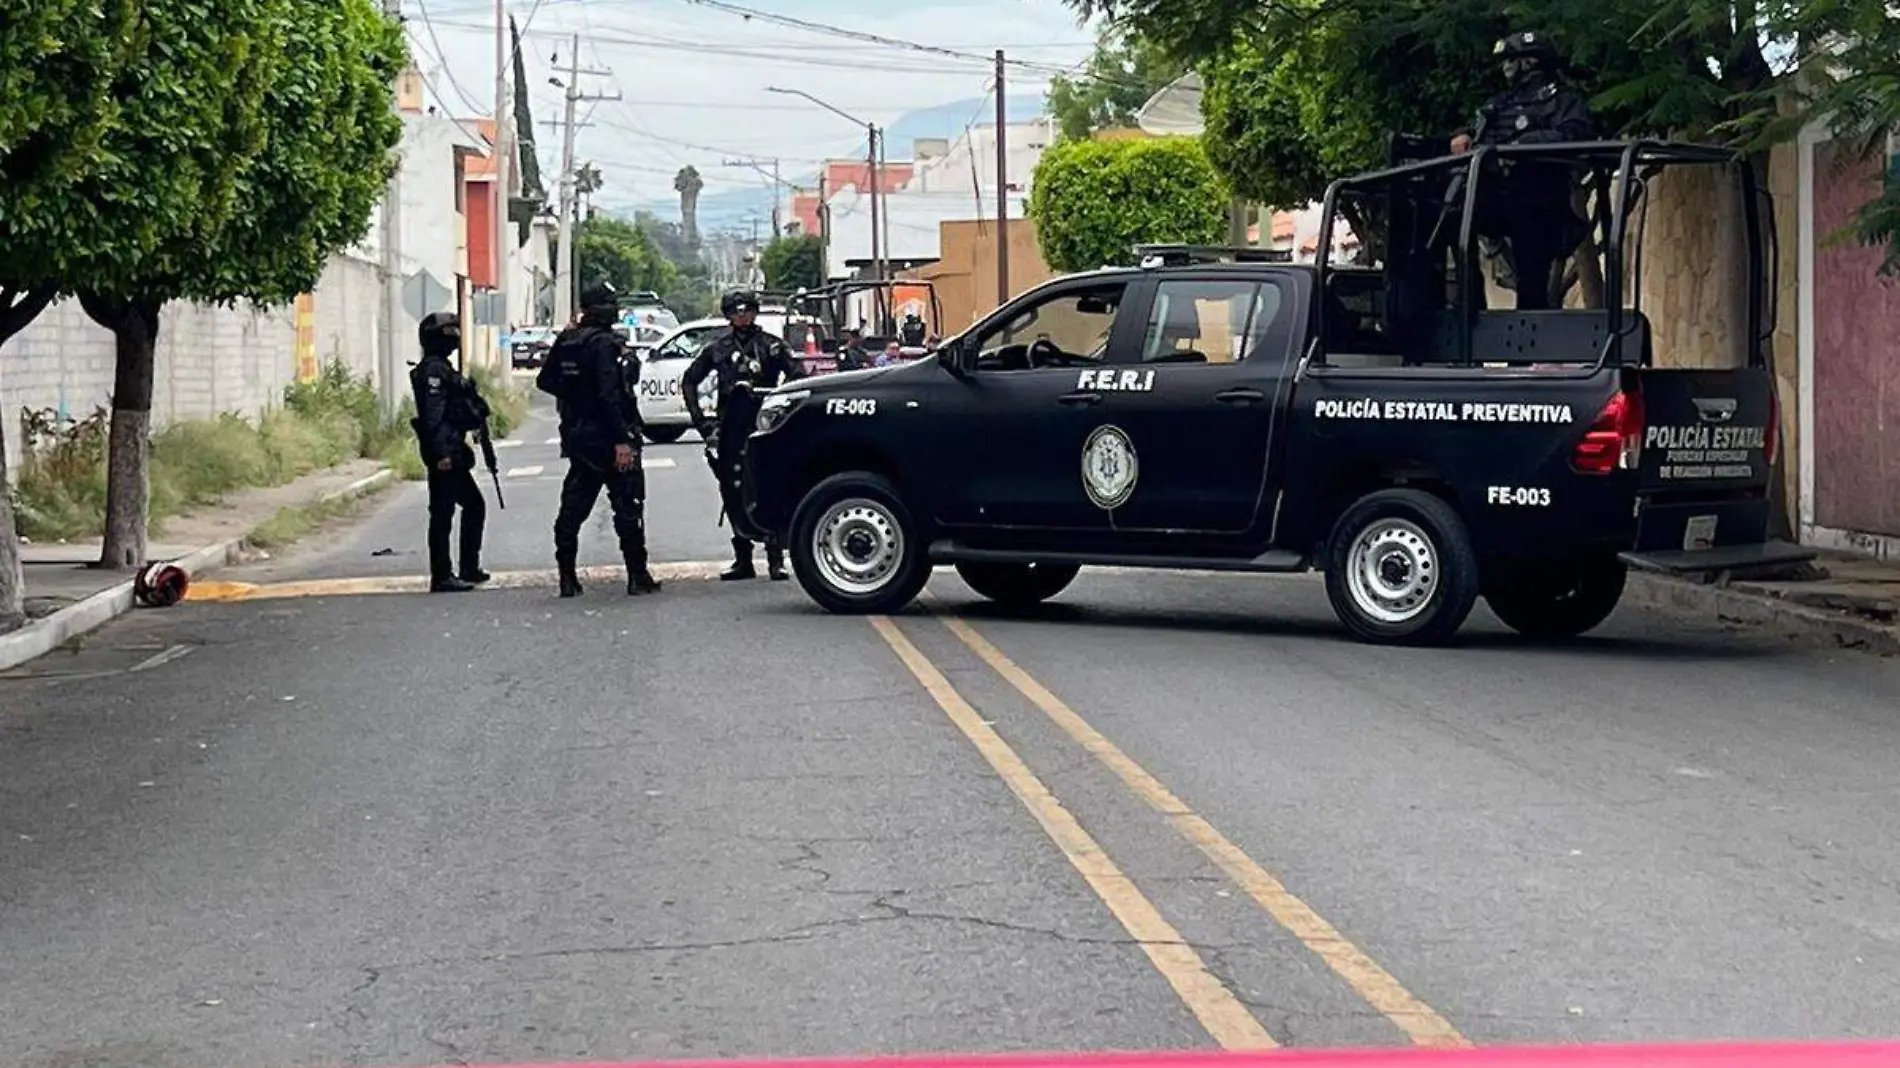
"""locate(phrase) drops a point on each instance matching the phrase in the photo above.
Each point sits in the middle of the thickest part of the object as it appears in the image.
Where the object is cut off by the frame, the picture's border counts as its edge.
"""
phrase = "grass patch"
(333, 418)
(507, 403)
(292, 523)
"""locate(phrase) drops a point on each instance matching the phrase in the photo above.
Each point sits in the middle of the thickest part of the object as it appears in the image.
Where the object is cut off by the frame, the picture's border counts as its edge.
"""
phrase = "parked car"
(528, 346)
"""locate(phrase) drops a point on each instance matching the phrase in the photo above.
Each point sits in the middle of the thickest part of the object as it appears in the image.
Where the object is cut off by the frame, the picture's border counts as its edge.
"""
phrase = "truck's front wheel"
(1018, 585)
(663, 435)
(855, 548)
(1557, 600)
(1400, 569)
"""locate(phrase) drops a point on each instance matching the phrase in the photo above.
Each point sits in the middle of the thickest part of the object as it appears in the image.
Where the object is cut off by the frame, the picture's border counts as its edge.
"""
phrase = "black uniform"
(1533, 207)
(912, 331)
(852, 357)
(599, 416)
(749, 357)
(448, 409)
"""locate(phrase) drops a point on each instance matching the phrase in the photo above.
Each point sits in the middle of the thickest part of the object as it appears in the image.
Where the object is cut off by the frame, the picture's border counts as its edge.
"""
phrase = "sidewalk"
(66, 598)
(1853, 603)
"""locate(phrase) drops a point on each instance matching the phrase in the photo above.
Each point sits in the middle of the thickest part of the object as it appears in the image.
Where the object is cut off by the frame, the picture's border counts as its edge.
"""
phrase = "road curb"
(43, 635)
(1725, 604)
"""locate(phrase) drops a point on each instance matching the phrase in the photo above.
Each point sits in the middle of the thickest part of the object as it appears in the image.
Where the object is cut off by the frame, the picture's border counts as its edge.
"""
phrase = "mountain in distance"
(731, 208)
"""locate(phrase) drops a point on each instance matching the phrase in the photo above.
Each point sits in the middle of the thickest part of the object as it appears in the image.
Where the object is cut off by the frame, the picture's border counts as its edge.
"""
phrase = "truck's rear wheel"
(1557, 600)
(663, 435)
(1018, 585)
(1400, 569)
(855, 548)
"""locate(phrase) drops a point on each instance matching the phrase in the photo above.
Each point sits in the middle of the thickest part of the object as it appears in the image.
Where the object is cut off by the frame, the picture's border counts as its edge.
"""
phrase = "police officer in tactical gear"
(448, 409)
(912, 330)
(600, 436)
(1533, 203)
(744, 361)
(851, 355)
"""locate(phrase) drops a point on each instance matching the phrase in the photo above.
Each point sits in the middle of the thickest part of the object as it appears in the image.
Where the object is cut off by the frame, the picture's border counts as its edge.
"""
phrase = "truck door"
(1009, 434)
(1199, 396)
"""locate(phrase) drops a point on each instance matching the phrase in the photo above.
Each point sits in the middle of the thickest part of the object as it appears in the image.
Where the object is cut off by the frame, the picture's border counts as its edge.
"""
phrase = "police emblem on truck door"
(1109, 467)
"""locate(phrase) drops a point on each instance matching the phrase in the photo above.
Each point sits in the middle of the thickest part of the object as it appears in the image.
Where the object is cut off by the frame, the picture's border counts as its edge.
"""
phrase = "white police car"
(662, 406)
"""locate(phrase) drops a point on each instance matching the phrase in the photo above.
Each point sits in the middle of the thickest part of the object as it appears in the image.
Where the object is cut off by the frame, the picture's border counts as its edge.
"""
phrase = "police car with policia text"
(1214, 410)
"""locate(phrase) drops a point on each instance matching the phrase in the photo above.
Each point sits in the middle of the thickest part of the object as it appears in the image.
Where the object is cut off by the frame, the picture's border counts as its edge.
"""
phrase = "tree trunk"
(12, 581)
(134, 326)
(17, 309)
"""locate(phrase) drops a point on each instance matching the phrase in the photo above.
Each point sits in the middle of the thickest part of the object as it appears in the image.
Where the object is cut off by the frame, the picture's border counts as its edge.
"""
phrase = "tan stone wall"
(1686, 280)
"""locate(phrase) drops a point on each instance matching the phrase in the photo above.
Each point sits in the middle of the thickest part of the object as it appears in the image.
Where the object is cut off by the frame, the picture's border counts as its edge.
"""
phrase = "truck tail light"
(1614, 441)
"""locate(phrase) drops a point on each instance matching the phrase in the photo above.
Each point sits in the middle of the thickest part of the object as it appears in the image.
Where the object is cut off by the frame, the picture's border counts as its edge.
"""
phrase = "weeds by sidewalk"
(331, 419)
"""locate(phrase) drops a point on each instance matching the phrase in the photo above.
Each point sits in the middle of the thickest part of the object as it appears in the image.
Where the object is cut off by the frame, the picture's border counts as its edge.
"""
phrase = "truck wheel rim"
(1392, 571)
(858, 545)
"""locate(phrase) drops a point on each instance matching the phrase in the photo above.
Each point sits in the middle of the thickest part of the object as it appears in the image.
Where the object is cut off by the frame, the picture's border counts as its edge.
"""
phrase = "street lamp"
(871, 159)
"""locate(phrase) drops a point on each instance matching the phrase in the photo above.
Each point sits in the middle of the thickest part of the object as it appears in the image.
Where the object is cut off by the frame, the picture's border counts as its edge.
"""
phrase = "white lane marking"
(658, 465)
(552, 441)
(526, 472)
(165, 657)
(512, 443)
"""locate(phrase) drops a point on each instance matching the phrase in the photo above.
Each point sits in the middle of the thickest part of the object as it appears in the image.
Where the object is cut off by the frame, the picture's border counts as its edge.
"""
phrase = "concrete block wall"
(208, 359)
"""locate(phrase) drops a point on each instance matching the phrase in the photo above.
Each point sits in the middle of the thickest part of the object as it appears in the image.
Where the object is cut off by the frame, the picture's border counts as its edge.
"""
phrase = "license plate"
(1699, 533)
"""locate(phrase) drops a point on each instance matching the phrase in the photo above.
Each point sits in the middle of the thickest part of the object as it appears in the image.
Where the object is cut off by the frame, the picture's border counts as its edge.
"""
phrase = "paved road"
(682, 515)
(1164, 812)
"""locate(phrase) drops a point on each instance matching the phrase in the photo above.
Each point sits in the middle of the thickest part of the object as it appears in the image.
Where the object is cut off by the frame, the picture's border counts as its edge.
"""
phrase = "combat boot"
(641, 581)
(570, 580)
(741, 568)
(775, 563)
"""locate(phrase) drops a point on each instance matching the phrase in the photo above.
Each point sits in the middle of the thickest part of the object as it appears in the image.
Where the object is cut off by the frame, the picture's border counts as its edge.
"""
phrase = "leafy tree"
(794, 262)
(1299, 94)
(1120, 75)
(304, 93)
(1093, 201)
(621, 252)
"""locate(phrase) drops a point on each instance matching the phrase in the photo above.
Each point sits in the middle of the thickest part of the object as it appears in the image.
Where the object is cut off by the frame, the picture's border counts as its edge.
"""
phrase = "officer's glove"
(712, 451)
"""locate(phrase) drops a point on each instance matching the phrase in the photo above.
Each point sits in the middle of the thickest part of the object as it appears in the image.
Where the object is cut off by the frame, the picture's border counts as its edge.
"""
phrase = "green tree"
(1120, 75)
(1093, 201)
(1299, 94)
(622, 253)
(313, 154)
(794, 262)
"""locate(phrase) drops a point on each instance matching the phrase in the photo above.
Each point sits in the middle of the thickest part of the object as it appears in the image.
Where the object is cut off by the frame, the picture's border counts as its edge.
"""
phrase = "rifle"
(487, 443)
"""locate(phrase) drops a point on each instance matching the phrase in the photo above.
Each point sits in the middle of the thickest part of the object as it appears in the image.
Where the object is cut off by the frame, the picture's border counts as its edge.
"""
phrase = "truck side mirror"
(957, 357)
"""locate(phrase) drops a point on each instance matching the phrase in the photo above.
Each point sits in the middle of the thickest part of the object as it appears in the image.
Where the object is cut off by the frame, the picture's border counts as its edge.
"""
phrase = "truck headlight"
(774, 409)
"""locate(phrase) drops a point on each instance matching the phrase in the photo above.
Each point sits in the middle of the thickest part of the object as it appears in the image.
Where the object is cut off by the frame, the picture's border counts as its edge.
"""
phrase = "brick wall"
(208, 360)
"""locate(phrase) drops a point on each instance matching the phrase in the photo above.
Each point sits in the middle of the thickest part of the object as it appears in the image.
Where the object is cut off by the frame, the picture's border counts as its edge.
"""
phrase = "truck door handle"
(1080, 398)
(1242, 395)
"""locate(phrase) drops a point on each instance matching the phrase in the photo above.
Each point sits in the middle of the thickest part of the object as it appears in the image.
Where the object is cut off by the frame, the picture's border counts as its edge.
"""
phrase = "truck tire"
(1018, 585)
(1400, 569)
(1557, 600)
(855, 547)
(662, 435)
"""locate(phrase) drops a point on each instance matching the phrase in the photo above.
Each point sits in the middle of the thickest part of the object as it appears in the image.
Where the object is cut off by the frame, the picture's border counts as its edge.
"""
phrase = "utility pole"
(389, 355)
(564, 288)
(778, 185)
(824, 222)
(503, 237)
(877, 258)
(1002, 188)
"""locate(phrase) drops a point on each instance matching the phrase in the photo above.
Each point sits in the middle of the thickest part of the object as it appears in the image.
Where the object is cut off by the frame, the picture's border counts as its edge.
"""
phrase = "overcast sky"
(680, 91)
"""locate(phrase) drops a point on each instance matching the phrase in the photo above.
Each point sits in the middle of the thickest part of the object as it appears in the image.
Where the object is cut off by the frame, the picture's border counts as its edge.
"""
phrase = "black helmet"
(737, 301)
(440, 333)
(1522, 53)
(599, 297)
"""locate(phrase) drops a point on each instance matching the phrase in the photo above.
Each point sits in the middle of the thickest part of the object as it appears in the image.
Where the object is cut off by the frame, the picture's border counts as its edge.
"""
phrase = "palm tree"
(687, 184)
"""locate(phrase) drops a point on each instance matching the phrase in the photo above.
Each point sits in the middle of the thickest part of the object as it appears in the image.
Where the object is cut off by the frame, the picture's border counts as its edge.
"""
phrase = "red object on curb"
(1683, 1055)
(160, 585)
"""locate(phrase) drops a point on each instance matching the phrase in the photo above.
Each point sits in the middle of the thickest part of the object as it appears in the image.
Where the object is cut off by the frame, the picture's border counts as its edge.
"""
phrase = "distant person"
(851, 355)
(893, 353)
(448, 410)
(912, 331)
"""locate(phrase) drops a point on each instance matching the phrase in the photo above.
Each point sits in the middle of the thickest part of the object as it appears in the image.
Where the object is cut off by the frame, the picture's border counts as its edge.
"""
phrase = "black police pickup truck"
(1373, 419)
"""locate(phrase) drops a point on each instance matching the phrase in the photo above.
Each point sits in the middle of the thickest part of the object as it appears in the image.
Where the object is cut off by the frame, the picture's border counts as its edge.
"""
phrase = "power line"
(429, 26)
(828, 30)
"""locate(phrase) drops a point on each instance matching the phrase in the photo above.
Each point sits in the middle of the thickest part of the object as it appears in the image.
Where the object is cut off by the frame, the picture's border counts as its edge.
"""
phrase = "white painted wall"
(974, 155)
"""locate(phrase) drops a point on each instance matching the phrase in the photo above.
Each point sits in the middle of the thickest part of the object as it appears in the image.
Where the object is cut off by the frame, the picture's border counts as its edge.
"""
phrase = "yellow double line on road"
(1219, 1011)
